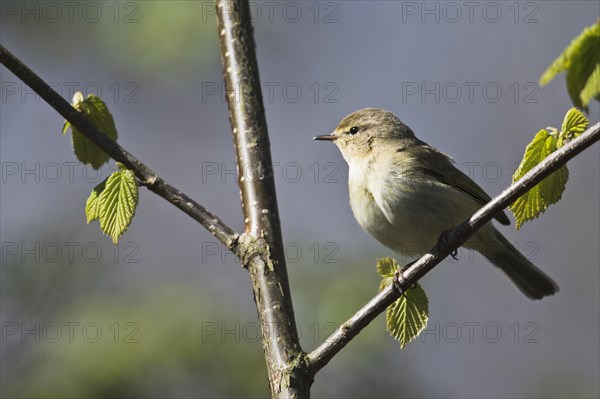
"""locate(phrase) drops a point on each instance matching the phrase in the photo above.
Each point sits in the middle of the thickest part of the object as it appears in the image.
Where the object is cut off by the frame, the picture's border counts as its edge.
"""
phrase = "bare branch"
(147, 177)
(452, 240)
(287, 376)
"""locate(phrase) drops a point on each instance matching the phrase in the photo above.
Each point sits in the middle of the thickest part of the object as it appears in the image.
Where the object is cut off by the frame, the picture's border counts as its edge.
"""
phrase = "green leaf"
(386, 267)
(558, 65)
(573, 125)
(117, 203)
(592, 87)
(88, 152)
(407, 317)
(95, 109)
(581, 60)
(531, 204)
(574, 122)
(92, 205)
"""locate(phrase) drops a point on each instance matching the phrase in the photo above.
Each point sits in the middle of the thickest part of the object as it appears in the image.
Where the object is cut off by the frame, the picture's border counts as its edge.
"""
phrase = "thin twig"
(147, 177)
(453, 239)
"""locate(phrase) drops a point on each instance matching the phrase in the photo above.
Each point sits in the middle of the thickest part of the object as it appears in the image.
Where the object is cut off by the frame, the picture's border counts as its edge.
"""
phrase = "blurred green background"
(169, 313)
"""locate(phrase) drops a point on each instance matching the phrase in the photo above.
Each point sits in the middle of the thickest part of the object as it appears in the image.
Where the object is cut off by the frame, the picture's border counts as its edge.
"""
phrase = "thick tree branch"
(452, 240)
(266, 263)
(148, 178)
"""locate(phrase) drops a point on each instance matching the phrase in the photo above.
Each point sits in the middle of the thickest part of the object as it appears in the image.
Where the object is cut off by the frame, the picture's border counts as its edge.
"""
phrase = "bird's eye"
(353, 130)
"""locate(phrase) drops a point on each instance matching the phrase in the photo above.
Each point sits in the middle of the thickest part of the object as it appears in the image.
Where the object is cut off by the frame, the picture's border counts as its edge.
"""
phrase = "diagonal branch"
(148, 178)
(266, 263)
(453, 239)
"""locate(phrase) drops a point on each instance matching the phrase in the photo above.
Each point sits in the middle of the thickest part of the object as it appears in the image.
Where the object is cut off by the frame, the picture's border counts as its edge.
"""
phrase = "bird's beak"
(329, 137)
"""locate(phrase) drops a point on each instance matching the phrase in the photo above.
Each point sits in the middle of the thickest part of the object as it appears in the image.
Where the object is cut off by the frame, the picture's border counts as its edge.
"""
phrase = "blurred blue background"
(169, 312)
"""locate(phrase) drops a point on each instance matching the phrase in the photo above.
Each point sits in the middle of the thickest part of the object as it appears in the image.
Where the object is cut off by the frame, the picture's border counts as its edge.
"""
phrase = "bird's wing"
(454, 177)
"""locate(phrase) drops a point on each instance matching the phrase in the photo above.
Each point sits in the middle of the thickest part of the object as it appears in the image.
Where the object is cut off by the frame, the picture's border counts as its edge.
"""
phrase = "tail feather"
(533, 282)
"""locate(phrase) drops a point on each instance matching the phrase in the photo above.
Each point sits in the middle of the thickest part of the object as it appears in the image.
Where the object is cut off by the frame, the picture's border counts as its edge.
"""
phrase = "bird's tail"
(528, 278)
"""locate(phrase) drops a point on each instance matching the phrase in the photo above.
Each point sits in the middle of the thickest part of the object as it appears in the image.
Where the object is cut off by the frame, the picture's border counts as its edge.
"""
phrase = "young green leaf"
(407, 317)
(592, 87)
(574, 123)
(548, 191)
(581, 60)
(95, 109)
(117, 202)
(386, 267)
(92, 205)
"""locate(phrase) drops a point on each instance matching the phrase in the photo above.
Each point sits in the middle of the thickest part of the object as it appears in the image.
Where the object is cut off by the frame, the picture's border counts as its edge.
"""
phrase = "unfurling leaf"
(574, 123)
(92, 205)
(386, 267)
(95, 109)
(531, 204)
(549, 191)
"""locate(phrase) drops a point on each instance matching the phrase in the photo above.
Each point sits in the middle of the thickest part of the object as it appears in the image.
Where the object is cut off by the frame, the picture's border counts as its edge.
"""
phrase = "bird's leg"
(443, 241)
(399, 280)
(454, 253)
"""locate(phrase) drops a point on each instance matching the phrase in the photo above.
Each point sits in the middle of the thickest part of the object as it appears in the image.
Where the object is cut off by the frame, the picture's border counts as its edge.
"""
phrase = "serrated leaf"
(538, 199)
(88, 152)
(118, 202)
(592, 87)
(584, 59)
(557, 66)
(534, 153)
(386, 267)
(95, 109)
(574, 122)
(407, 317)
(531, 204)
(98, 112)
(581, 60)
(92, 205)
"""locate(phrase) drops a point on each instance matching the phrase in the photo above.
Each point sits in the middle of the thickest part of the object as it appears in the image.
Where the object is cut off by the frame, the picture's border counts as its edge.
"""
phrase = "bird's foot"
(443, 241)
(399, 280)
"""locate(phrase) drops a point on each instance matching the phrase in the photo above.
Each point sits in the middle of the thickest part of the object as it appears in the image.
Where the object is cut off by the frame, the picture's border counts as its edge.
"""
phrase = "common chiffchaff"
(405, 193)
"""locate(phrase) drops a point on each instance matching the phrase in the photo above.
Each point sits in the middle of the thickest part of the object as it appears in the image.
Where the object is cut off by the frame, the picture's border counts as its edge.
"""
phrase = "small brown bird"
(405, 193)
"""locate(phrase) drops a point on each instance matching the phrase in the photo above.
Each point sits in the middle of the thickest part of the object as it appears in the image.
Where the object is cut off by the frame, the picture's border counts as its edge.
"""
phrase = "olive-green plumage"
(405, 193)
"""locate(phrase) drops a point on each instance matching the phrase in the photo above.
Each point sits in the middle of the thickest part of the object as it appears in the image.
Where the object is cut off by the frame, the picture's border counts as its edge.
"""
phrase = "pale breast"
(366, 211)
(405, 214)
